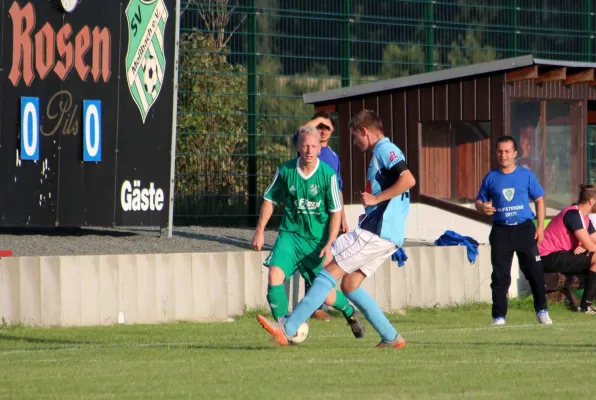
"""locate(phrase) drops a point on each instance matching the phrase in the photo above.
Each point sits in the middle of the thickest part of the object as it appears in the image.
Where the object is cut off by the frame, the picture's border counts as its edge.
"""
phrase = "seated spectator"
(569, 245)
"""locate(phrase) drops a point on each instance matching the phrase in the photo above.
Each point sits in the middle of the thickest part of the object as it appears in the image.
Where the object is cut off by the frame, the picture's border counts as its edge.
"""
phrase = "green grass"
(451, 353)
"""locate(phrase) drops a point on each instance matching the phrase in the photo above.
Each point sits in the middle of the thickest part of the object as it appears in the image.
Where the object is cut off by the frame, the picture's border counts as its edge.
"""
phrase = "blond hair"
(306, 131)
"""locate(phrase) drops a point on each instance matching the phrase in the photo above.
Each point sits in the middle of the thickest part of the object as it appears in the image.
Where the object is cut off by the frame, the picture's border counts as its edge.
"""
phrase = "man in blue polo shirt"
(505, 194)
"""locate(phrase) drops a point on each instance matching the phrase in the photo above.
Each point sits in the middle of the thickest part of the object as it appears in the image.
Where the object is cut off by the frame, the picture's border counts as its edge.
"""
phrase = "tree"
(212, 133)
(403, 61)
(211, 162)
(469, 50)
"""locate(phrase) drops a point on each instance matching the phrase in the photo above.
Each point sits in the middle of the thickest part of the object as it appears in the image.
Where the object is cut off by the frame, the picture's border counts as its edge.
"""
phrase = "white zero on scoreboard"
(29, 128)
(92, 130)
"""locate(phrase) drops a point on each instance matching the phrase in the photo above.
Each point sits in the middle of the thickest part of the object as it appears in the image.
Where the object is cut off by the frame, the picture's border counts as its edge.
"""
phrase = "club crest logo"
(509, 193)
(145, 56)
(314, 189)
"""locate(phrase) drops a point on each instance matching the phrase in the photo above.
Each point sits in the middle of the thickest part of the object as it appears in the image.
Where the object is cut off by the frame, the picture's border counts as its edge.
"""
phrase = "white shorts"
(361, 250)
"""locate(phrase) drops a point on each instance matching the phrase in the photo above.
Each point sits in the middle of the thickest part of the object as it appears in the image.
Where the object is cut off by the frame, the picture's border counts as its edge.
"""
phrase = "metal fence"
(245, 65)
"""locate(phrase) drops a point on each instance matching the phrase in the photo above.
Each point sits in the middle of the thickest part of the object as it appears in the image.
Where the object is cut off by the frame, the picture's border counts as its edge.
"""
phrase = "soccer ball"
(150, 75)
(301, 335)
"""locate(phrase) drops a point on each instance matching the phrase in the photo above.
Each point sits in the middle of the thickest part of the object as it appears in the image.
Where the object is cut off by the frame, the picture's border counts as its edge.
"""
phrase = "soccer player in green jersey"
(312, 216)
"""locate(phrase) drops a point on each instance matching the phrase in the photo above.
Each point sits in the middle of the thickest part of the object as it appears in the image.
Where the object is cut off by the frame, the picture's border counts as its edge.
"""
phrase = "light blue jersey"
(386, 219)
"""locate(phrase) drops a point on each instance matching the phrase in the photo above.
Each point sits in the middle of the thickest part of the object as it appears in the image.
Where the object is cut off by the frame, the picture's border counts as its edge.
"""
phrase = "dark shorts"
(567, 262)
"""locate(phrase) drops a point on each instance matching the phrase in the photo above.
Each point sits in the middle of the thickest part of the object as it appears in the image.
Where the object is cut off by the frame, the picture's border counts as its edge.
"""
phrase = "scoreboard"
(87, 106)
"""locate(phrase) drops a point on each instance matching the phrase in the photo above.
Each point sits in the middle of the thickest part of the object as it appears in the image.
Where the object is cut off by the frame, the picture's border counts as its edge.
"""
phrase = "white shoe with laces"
(498, 321)
(543, 318)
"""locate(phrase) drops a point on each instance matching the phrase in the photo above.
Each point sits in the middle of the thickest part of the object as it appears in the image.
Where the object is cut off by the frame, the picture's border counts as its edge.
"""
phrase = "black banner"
(86, 102)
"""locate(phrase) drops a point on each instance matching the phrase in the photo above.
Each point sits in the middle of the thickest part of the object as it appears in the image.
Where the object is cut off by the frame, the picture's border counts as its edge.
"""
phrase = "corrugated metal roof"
(438, 76)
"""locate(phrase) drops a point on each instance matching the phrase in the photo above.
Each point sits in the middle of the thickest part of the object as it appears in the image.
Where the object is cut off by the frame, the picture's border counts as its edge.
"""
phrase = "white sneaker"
(498, 321)
(543, 318)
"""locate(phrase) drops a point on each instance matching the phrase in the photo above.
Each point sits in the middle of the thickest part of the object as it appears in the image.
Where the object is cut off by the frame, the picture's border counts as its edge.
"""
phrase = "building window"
(547, 132)
(454, 158)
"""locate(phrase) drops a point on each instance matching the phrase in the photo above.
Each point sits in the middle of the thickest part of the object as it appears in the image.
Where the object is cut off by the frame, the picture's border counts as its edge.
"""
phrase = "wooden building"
(447, 123)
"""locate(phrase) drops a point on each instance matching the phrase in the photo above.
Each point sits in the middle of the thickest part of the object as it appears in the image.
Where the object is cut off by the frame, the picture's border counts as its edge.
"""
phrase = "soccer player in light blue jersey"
(359, 253)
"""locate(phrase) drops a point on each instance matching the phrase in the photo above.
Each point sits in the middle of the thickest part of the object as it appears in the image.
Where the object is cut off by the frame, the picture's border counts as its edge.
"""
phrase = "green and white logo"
(509, 193)
(145, 56)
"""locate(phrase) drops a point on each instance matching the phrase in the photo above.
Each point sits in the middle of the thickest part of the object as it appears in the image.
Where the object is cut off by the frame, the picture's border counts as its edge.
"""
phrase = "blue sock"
(315, 297)
(373, 313)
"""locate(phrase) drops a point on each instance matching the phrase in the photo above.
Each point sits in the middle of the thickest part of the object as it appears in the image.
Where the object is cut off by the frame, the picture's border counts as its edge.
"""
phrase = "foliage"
(469, 50)
(402, 61)
(211, 116)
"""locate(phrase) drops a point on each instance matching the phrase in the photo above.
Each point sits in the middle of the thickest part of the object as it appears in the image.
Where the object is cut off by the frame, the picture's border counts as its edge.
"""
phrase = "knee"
(593, 263)
(276, 276)
(331, 298)
(501, 280)
(348, 284)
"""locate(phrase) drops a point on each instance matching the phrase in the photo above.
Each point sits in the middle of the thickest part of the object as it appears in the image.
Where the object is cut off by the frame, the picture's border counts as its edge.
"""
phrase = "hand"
(579, 250)
(258, 241)
(315, 122)
(344, 226)
(369, 199)
(487, 208)
(326, 252)
(539, 235)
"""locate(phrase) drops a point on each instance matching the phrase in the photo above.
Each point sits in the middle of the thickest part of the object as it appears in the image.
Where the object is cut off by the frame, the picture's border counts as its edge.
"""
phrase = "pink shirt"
(557, 237)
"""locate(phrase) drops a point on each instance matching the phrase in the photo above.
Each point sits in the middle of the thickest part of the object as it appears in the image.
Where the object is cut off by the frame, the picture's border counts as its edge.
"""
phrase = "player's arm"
(334, 207)
(537, 194)
(344, 227)
(483, 203)
(592, 232)
(315, 122)
(273, 195)
(344, 222)
(573, 223)
(540, 212)
(258, 239)
(404, 180)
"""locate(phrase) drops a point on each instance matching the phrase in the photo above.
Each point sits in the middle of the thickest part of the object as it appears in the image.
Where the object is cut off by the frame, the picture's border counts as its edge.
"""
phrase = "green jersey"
(308, 200)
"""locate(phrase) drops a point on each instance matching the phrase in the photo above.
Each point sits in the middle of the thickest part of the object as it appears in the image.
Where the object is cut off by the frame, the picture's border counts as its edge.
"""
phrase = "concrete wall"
(427, 223)
(95, 290)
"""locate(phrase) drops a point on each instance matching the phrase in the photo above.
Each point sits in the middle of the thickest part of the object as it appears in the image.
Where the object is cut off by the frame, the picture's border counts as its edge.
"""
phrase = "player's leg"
(374, 250)
(590, 287)
(501, 256)
(322, 289)
(320, 314)
(351, 253)
(281, 265)
(310, 268)
(569, 263)
(311, 265)
(530, 264)
(324, 283)
(351, 285)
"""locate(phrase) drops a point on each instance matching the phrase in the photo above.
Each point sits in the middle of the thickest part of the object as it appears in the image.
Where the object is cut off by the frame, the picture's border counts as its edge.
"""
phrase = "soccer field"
(451, 353)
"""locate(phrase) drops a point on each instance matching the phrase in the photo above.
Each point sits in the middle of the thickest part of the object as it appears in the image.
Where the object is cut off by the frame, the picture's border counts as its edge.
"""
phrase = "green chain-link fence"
(245, 65)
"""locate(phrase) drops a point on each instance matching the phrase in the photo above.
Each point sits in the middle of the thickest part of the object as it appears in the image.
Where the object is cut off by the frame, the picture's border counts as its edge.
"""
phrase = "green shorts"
(292, 252)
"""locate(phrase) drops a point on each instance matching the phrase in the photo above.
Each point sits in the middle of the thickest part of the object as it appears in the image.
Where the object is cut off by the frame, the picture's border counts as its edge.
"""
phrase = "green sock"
(278, 301)
(342, 304)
